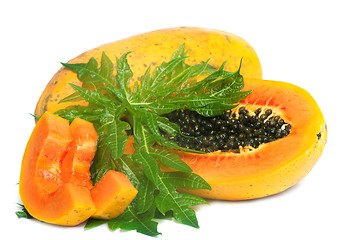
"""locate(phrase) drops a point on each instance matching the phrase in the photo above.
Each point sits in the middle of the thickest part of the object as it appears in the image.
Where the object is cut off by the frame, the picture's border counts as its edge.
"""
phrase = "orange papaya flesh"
(41, 188)
(55, 184)
(75, 167)
(272, 167)
(112, 194)
(153, 48)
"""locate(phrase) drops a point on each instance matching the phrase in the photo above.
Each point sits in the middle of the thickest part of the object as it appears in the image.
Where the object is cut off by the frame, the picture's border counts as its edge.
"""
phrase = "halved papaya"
(55, 184)
(274, 166)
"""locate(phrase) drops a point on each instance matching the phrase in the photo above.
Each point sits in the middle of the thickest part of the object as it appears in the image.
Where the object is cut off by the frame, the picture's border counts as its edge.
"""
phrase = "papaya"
(112, 194)
(151, 49)
(273, 166)
(55, 185)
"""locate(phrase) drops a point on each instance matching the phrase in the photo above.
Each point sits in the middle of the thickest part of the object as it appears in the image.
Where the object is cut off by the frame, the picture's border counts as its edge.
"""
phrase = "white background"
(313, 44)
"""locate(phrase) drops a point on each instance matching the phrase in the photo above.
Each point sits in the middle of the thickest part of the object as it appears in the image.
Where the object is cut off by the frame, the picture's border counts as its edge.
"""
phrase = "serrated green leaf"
(23, 213)
(130, 220)
(193, 101)
(186, 180)
(89, 72)
(179, 52)
(234, 97)
(123, 76)
(132, 170)
(161, 107)
(163, 70)
(151, 168)
(138, 95)
(214, 109)
(88, 113)
(92, 96)
(151, 122)
(93, 223)
(107, 67)
(170, 160)
(168, 199)
(102, 162)
(116, 139)
(74, 97)
(145, 196)
(189, 73)
(168, 127)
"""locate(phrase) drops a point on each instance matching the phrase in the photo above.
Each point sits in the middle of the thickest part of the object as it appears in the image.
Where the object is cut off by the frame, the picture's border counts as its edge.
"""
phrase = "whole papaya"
(153, 48)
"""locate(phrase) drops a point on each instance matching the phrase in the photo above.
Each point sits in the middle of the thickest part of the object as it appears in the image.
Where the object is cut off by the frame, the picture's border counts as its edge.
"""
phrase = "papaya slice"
(112, 194)
(55, 184)
(41, 188)
(75, 167)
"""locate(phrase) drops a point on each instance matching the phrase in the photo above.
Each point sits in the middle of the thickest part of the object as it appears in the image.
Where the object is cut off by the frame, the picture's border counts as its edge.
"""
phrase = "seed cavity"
(233, 131)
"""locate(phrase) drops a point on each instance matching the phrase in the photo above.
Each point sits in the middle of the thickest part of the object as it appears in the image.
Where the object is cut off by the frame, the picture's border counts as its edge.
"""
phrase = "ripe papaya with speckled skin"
(153, 48)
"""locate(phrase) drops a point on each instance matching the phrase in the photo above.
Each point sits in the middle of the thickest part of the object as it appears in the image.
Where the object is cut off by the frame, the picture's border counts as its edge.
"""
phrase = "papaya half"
(271, 167)
(153, 48)
(55, 185)
(274, 166)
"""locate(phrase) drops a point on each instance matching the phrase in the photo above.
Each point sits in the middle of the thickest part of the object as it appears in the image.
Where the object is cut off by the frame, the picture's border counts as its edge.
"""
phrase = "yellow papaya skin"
(153, 48)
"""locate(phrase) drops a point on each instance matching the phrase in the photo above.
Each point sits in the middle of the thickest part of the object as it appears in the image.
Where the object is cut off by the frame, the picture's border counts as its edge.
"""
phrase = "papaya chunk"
(112, 194)
(41, 187)
(75, 167)
(55, 184)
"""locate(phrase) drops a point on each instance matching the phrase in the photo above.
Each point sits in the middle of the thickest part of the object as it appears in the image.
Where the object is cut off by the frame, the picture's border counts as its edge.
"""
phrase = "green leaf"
(138, 93)
(170, 160)
(163, 70)
(214, 109)
(88, 113)
(92, 96)
(189, 73)
(89, 72)
(23, 213)
(75, 97)
(186, 180)
(131, 220)
(93, 223)
(169, 199)
(193, 101)
(132, 170)
(106, 69)
(102, 162)
(145, 196)
(179, 52)
(116, 139)
(168, 127)
(161, 107)
(234, 97)
(123, 76)
(151, 122)
(151, 168)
